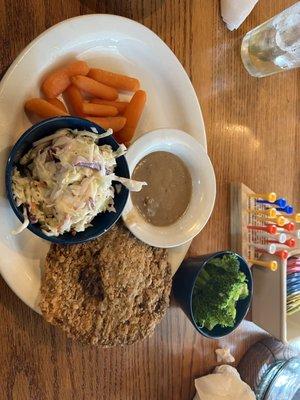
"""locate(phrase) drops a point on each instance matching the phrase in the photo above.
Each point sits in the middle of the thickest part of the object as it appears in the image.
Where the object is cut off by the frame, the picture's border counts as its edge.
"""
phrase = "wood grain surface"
(253, 136)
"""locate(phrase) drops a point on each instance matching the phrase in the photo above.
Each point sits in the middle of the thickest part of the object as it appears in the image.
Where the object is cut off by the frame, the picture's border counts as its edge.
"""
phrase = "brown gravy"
(169, 186)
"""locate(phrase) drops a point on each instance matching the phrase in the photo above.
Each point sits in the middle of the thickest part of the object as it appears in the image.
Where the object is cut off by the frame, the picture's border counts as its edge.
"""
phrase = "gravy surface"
(169, 186)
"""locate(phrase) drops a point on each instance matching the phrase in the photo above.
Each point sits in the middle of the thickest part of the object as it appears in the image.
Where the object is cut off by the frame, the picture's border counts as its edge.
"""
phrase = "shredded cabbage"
(65, 180)
(130, 184)
(22, 227)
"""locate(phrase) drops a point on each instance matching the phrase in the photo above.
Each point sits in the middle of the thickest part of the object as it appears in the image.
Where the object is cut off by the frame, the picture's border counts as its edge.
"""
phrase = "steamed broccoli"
(218, 287)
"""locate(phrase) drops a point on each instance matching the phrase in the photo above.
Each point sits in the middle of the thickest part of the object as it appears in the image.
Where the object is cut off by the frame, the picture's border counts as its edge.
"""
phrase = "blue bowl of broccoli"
(214, 291)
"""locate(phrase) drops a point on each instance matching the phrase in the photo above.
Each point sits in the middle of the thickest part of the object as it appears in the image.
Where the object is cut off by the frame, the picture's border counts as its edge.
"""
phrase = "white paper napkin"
(234, 12)
(223, 384)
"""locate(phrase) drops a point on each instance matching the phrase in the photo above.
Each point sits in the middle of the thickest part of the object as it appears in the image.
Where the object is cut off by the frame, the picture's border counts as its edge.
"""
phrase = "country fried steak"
(110, 291)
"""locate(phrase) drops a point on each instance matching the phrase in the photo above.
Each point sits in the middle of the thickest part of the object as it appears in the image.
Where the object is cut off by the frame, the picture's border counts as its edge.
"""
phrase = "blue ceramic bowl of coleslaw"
(102, 222)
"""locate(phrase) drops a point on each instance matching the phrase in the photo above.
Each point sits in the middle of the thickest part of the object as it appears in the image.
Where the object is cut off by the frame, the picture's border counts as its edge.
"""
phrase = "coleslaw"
(65, 180)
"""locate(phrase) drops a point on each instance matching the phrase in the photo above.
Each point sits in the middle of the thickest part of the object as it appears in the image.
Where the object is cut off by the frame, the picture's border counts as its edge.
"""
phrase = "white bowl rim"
(168, 139)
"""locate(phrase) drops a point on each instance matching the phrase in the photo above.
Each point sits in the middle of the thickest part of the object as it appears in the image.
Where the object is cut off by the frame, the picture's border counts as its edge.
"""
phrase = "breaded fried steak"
(110, 291)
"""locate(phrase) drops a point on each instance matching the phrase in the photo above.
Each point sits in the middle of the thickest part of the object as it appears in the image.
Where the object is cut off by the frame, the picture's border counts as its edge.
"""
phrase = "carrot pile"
(91, 93)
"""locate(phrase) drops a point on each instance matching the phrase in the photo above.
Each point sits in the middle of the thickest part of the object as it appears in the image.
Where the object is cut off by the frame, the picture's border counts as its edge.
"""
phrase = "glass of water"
(275, 45)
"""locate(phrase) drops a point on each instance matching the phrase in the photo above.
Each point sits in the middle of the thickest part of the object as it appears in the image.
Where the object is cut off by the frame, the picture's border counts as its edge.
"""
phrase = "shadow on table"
(135, 9)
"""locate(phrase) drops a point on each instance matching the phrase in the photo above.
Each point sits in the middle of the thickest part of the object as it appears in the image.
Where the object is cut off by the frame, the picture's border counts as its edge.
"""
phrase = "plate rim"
(31, 44)
(201, 138)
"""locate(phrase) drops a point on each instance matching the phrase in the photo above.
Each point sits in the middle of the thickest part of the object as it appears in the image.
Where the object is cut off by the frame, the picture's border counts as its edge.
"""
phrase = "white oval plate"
(203, 196)
(111, 42)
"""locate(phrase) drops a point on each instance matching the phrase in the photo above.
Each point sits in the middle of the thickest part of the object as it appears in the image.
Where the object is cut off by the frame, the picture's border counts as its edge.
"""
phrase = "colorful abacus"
(263, 227)
(273, 220)
(264, 230)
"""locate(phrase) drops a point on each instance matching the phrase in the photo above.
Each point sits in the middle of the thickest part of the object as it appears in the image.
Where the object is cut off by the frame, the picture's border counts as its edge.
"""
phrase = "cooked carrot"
(94, 88)
(120, 105)
(57, 103)
(58, 81)
(118, 81)
(74, 100)
(132, 114)
(115, 123)
(43, 109)
(55, 84)
(99, 110)
(77, 68)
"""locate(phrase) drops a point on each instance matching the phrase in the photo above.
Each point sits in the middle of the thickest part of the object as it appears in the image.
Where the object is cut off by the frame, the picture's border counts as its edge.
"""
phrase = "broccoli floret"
(217, 289)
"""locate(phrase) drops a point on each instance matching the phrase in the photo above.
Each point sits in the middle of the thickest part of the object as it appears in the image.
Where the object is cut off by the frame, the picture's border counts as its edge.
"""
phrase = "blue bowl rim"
(34, 228)
(215, 255)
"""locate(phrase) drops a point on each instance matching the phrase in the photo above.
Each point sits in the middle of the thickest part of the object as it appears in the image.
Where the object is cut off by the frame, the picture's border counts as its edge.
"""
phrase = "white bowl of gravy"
(181, 188)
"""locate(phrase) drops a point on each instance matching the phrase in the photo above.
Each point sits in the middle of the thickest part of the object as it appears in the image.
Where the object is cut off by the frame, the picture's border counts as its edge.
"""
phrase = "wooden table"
(252, 137)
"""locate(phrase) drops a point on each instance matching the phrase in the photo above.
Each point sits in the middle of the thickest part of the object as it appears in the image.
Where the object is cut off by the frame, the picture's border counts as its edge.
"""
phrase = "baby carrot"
(77, 68)
(132, 114)
(120, 105)
(99, 110)
(118, 81)
(55, 83)
(74, 100)
(58, 81)
(115, 123)
(43, 109)
(57, 103)
(94, 88)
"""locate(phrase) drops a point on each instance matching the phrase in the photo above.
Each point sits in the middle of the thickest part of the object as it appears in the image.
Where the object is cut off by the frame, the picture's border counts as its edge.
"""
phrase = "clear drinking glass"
(273, 46)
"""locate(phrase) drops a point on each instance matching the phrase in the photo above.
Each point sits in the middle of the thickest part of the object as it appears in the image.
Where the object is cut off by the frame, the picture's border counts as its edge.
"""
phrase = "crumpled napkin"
(223, 384)
(234, 12)
(224, 355)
